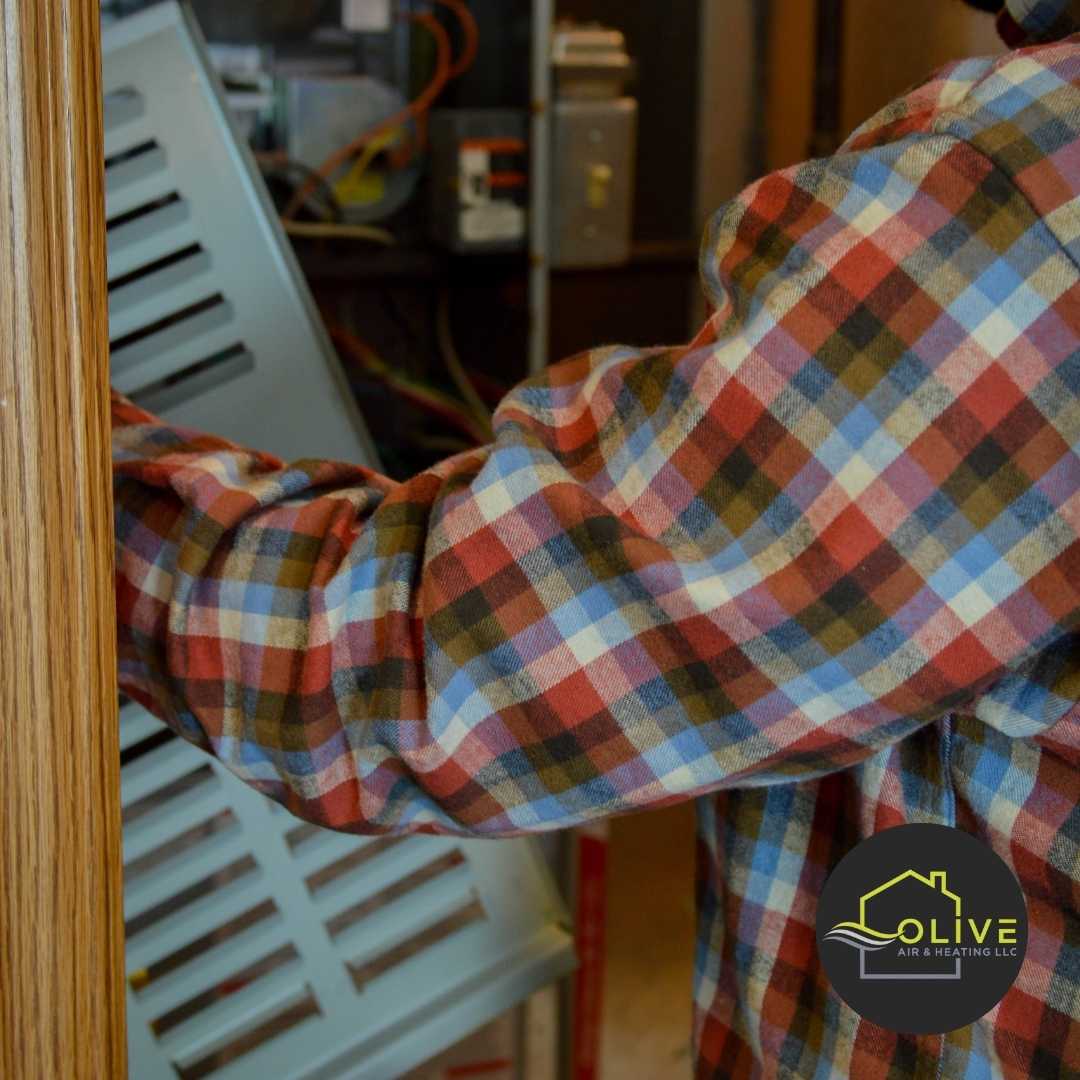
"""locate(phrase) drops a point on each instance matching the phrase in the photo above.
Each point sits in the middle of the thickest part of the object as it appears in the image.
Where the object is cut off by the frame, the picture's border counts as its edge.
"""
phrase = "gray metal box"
(593, 181)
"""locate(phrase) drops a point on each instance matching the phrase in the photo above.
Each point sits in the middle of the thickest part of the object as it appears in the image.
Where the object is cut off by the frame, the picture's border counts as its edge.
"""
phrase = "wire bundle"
(468, 415)
(426, 397)
(417, 109)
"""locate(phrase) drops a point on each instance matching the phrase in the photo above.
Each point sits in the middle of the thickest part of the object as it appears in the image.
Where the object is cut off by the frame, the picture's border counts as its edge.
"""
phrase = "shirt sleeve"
(849, 507)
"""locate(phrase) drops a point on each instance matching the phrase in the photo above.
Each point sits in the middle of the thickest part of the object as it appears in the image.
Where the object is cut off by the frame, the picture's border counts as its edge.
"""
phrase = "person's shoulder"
(966, 97)
(1041, 80)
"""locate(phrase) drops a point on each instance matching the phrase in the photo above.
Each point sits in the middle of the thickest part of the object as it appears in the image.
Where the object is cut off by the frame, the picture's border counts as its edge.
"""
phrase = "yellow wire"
(339, 230)
(372, 151)
(456, 369)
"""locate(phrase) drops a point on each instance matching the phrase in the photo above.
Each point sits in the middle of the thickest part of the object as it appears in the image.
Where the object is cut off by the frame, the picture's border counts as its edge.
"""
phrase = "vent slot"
(148, 209)
(168, 341)
(170, 288)
(136, 239)
(147, 746)
(364, 972)
(114, 164)
(236, 982)
(136, 177)
(116, 284)
(330, 873)
(429, 872)
(195, 379)
(277, 1024)
(224, 821)
(140, 808)
(212, 883)
(300, 834)
(141, 979)
(160, 326)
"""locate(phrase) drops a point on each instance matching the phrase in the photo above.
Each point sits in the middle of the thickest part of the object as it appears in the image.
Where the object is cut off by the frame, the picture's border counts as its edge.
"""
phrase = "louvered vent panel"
(210, 322)
(258, 946)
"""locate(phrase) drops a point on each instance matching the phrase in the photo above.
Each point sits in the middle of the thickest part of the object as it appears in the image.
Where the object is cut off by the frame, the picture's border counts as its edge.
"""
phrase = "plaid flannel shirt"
(819, 569)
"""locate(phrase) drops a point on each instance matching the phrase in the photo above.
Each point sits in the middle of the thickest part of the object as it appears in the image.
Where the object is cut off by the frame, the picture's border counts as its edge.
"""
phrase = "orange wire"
(418, 108)
(419, 105)
(471, 33)
(374, 366)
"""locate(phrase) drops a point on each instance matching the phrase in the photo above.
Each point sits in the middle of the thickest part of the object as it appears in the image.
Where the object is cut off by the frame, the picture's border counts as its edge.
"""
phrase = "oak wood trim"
(61, 936)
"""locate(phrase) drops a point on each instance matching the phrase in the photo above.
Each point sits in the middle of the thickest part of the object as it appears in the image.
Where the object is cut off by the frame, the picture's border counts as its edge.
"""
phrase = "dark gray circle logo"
(922, 929)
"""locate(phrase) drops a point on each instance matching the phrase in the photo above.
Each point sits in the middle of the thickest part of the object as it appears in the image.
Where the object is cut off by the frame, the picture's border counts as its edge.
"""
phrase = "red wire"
(359, 351)
(471, 44)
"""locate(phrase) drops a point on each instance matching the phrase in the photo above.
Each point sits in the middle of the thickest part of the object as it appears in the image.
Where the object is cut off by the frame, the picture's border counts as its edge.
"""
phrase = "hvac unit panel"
(211, 323)
(259, 946)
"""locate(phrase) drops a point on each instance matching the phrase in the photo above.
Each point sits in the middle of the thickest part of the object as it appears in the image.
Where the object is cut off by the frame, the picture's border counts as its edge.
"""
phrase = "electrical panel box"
(479, 179)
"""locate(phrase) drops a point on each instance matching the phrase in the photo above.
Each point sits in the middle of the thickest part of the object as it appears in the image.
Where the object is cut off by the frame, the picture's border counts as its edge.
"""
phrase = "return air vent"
(261, 946)
(210, 322)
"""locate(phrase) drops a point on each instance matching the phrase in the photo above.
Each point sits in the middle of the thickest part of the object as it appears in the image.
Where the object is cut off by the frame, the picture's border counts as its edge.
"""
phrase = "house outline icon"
(935, 881)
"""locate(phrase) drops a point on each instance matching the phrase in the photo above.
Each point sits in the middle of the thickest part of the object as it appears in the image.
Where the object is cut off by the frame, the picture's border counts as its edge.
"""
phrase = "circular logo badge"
(922, 929)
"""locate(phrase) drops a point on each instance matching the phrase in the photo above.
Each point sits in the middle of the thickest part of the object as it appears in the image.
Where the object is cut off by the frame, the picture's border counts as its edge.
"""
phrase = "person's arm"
(848, 508)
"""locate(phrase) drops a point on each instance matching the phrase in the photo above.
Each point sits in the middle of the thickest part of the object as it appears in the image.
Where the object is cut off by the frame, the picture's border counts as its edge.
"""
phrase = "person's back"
(819, 569)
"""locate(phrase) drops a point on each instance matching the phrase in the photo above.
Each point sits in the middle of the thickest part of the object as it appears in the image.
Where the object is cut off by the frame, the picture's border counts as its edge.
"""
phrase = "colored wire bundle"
(320, 199)
(416, 110)
(456, 369)
(428, 398)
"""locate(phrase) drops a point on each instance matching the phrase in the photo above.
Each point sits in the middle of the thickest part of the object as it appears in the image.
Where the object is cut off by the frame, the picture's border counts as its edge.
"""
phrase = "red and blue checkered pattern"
(822, 566)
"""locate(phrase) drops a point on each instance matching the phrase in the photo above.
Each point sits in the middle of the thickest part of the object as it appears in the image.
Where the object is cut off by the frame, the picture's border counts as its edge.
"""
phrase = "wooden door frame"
(61, 926)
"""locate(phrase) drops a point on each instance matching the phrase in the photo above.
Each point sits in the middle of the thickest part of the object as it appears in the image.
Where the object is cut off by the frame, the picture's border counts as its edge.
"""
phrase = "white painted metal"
(212, 850)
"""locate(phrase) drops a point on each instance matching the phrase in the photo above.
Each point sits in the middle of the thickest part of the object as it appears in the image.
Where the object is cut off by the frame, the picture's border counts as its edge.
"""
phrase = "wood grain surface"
(649, 947)
(887, 48)
(61, 937)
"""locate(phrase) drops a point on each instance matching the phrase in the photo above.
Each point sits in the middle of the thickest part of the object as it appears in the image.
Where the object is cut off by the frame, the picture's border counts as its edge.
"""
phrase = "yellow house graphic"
(863, 936)
(935, 880)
